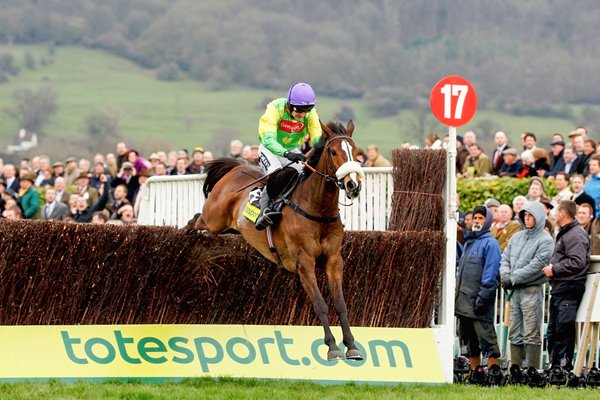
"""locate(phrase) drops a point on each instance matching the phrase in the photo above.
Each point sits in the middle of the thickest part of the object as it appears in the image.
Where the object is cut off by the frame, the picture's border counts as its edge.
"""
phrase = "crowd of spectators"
(106, 189)
(542, 239)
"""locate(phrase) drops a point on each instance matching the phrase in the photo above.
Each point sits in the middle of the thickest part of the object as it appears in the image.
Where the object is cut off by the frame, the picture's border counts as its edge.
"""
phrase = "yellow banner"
(243, 351)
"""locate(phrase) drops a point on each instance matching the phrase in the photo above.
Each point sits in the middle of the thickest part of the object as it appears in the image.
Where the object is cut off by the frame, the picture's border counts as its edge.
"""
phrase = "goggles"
(302, 109)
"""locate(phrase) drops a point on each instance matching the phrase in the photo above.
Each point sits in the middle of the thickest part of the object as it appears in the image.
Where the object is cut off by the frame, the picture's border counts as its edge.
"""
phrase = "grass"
(251, 389)
(188, 113)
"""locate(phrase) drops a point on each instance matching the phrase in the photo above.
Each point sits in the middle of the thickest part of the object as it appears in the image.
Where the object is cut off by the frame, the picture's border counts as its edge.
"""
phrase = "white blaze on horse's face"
(350, 172)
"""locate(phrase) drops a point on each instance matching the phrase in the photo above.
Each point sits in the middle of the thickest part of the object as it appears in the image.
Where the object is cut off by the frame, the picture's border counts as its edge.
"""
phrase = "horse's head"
(340, 154)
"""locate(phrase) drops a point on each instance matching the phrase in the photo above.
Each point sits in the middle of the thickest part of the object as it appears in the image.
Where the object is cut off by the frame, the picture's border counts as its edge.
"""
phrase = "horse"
(310, 229)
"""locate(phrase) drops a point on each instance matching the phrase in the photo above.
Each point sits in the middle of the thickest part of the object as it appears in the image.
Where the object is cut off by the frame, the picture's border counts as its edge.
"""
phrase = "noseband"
(329, 178)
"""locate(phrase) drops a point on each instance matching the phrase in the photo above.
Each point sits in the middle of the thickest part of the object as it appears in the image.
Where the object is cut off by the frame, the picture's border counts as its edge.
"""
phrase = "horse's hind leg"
(334, 268)
(306, 271)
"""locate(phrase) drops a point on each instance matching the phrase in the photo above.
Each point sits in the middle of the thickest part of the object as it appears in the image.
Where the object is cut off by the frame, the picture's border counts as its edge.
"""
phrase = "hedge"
(474, 191)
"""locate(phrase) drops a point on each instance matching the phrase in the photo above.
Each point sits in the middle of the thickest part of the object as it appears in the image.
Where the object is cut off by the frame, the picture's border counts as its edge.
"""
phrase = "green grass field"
(250, 389)
(188, 113)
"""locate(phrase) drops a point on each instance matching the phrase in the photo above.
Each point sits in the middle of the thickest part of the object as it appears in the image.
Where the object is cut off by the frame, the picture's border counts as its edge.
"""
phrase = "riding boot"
(474, 362)
(517, 354)
(263, 220)
(534, 353)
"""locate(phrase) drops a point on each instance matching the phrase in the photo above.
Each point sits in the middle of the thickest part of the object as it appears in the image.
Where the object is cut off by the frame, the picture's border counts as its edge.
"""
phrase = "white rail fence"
(173, 200)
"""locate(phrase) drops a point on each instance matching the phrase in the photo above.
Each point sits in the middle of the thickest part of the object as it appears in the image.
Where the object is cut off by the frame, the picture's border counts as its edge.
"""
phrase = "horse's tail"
(217, 169)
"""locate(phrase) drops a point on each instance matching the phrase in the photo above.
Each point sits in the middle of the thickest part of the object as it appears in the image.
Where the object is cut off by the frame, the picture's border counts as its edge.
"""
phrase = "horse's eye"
(333, 153)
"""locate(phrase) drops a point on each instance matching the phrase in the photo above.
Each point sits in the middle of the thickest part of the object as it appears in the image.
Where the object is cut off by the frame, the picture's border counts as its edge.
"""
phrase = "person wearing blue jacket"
(476, 283)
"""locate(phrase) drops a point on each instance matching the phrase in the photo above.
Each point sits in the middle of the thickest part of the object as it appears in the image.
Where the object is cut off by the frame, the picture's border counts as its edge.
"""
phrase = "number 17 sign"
(453, 101)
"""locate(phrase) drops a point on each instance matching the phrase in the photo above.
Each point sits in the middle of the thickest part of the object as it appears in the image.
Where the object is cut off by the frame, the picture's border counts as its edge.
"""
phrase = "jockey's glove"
(294, 157)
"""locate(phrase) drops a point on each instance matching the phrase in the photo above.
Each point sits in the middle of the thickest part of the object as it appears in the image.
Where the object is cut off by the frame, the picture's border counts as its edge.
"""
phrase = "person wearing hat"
(29, 197)
(528, 251)
(557, 161)
(142, 178)
(58, 169)
(85, 190)
(476, 284)
(511, 165)
(127, 176)
(71, 171)
(197, 164)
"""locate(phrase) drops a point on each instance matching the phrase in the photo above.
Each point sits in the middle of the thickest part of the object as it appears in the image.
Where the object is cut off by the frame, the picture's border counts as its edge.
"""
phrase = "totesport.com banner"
(243, 351)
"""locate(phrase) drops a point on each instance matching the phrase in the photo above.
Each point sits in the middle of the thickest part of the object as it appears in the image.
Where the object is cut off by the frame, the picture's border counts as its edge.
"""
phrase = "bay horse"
(310, 228)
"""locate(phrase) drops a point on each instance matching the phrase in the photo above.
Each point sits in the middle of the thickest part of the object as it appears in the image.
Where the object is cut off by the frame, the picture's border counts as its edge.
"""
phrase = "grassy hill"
(155, 114)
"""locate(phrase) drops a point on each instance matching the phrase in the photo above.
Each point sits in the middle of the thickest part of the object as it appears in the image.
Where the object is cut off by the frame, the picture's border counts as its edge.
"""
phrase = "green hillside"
(157, 114)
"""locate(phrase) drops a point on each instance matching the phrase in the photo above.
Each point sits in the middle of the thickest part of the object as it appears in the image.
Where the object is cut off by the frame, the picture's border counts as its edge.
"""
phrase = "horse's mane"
(216, 169)
(318, 148)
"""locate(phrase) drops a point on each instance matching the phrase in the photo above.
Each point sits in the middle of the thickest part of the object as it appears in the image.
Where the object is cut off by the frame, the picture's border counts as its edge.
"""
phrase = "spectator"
(432, 141)
(469, 138)
(47, 178)
(592, 185)
(528, 251)
(506, 227)
(235, 148)
(126, 215)
(561, 182)
(518, 203)
(13, 213)
(571, 161)
(477, 164)
(84, 165)
(43, 165)
(28, 196)
(585, 216)
(567, 274)
(85, 190)
(462, 153)
(529, 141)
(536, 189)
(111, 164)
(153, 159)
(208, 156)
(58, 169)
(11, 178)
(71, 171)
(589, 149)
(137, 197)
(501, 145)
(476, 284)
(119, 200)
(53, 209)
(122, 155)
(83, 212)
(558, 162)
(139, 163)
(510, 166)
(197, 164)
(128, 177)
(160, 169)
(99, 218)
(580, 196)
(374, 159)
(2, 190)
(99, 170)
(162, 157)
(181, 167)
(541, 161)
(253, 159)
(171, 161)
(61, 194)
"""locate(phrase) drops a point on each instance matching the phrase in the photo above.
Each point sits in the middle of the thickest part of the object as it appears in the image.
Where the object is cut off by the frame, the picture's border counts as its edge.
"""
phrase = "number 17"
(454, 90)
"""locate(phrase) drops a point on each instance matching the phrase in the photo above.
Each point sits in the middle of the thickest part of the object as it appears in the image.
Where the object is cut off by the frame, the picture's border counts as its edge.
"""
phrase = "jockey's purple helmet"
(301, 94)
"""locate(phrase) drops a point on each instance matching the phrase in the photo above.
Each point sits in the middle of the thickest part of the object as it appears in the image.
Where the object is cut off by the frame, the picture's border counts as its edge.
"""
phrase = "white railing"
(173, 200)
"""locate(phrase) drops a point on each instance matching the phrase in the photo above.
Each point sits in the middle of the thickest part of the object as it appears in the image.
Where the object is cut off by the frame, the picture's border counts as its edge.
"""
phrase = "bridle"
(329, 178)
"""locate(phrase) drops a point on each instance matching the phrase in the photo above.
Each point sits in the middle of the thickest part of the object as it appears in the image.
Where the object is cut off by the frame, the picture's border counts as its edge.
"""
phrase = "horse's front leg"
(334, 268)
(306, 271)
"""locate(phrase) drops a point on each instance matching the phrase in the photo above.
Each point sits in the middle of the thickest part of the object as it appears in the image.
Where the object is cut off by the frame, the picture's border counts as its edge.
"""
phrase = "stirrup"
(263, 220)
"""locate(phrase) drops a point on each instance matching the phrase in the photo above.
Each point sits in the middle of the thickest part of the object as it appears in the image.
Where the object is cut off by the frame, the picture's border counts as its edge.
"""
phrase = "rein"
(328, 178)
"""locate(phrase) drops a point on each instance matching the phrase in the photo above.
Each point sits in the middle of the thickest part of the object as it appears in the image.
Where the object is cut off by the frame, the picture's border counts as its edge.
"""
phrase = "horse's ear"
(326, 131)
(350, 128)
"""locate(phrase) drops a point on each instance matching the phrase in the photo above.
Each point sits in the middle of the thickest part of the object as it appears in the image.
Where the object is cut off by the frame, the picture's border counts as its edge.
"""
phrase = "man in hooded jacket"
(476, 284)
(528, 251)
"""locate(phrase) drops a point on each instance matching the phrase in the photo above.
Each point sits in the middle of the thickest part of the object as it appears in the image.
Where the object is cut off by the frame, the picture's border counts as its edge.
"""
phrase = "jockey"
(281, 131)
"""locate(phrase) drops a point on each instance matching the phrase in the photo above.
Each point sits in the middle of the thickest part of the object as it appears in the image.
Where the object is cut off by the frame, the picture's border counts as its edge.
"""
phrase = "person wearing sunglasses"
(281, 132)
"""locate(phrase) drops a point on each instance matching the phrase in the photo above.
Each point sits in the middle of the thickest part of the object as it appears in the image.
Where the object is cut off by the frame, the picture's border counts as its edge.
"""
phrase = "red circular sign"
(453, 101)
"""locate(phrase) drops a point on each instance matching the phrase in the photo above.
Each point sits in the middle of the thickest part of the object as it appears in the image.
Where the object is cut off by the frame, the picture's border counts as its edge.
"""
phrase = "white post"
(449, 275)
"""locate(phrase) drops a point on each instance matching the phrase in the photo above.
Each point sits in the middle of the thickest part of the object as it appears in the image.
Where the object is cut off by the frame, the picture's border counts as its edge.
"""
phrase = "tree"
(33, 108)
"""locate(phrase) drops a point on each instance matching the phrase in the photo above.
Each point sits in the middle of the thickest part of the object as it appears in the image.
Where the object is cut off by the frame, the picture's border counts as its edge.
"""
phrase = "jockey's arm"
(267, 131)
(314, 127)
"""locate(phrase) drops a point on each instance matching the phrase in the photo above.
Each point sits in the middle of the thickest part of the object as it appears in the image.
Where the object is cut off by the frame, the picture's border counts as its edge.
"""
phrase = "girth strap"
(272, 247)
(324, 220)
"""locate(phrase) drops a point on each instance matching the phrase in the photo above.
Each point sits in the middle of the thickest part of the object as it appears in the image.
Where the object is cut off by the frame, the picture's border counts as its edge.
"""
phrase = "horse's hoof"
(354, 354)
(334, 355)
